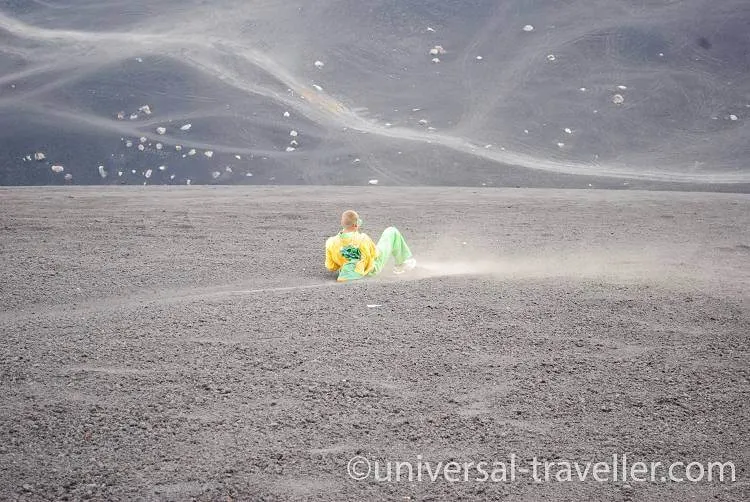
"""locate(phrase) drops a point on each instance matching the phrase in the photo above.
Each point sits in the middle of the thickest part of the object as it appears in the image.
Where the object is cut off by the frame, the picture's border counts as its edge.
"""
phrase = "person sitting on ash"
(354, 255)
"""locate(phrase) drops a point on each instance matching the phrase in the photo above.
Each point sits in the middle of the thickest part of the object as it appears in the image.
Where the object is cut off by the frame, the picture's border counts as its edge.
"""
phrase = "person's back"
(354, 255)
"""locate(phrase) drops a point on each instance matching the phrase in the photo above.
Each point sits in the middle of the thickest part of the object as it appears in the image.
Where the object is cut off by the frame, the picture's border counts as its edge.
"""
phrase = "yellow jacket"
(350, 267)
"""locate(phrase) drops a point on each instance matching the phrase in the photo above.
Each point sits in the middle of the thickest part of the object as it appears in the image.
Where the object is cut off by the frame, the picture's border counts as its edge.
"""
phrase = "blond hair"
(349, 218)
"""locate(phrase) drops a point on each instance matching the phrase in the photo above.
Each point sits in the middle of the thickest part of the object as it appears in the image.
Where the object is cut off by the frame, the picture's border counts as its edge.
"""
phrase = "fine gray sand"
(186, 343)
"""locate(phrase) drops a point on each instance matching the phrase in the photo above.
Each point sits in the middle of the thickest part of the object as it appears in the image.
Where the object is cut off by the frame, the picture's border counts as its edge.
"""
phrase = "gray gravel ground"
(186, 343)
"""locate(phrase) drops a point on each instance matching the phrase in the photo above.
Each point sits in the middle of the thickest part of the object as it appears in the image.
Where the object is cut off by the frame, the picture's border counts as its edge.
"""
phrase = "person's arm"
(369, 252)
(330, 264)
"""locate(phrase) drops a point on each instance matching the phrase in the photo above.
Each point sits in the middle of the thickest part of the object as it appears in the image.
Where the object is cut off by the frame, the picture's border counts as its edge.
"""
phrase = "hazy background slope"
(540, 93)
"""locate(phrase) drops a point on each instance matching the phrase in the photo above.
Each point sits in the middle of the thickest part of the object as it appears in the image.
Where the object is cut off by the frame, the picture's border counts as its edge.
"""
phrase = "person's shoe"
(405, 267)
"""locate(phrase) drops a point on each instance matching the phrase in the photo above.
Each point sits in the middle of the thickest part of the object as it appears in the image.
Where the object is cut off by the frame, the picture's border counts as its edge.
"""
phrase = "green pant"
(391, 243)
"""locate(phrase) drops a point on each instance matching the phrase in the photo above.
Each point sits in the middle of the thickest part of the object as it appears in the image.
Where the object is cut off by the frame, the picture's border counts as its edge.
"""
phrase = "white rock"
(215, 174)
(238, 157)
(582, 89)
(178, 148)
(293, 134)
(228, 169)
(617, 99)
(373, 182)
(141, 147)
(568, 130)
(191, 152)
(208, 153)
(294, 143)
(526, 131)
(430, 28)
(560, 144)
(57, 169)
(119, 173)
(622, 87)
(551, 57)
(144, 139)
(161, 130)
(145, 109)
(39, 156)
(528, 28)
(188, 181)
(68, 177)
(147, 174)
(286, 114)
(120, 115)
(437, 50)
(171, 176)
(479, 58)
(733, 117)
(488, 146)
(186, 127)
(388, 124)
(102, 172)
(319, 64)
(290, 149)
(133, 116)
(162, 168)
(374, 305)
(317, 88)
(140, 60)
(357, 161)
(435, 60)
(248, 174)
